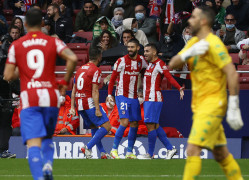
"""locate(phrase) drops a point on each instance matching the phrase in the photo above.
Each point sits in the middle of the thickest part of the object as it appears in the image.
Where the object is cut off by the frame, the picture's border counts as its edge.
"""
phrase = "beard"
(132, 54)
(195, 30)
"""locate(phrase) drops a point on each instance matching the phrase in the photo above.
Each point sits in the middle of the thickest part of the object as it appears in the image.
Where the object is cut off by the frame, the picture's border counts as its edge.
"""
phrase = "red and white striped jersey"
(153, 78)
(35, 54)
(85, 76)
(128, 70)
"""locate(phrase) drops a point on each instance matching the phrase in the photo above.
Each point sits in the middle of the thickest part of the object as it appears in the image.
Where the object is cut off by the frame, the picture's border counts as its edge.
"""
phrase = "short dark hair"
(153, 46)
(128, 31)
(14, 27)
(88, 1)
(55, 6)
(134, 40)
(208, 12)
(33, 5)
(94, 53)
(230, 14)
(34, 17)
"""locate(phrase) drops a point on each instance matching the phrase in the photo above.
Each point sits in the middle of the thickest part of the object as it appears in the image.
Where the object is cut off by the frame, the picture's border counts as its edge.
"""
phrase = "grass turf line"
(76, 169)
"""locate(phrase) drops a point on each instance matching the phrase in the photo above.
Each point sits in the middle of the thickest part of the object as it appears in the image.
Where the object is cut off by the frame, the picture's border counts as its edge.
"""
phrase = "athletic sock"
(47, 149)
(35, 162)
(231, 168)
(118, 136)
(97, 137)
(132, 136)
(152, 142)
(163, 138)
(99, 144)
(192, 168)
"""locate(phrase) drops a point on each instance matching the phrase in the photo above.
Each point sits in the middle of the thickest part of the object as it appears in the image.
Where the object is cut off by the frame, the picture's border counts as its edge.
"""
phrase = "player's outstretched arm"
(71, 59)
(234, 118)
(11, 72)
(95, 95)
(112, 82)
(72, 110)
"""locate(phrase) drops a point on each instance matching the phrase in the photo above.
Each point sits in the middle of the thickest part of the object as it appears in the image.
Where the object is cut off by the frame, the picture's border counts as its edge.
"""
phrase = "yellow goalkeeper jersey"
(208, 79)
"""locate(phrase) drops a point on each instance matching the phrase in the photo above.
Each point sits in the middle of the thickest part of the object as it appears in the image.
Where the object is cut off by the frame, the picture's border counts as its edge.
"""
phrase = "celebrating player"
(154, 100)
(34, 55)
(127, 68)
(86, 94)
(210, 66)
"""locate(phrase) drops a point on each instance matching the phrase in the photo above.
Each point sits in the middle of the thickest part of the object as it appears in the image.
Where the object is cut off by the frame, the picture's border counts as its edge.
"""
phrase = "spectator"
(117, 20)
(127, 35)
(86, 18)
(147, 25)
(125, 4)
(240, 10)
(104, 41)
(3, 22)
(20, 6)
(60, 26)
(231, 36)
(103, 23)
(67, 123)
(184, 79)
(17, 21)
(170, 44)
(101, 4)
(220, 15)
(65, 10)
(132, 24)
(244, 49)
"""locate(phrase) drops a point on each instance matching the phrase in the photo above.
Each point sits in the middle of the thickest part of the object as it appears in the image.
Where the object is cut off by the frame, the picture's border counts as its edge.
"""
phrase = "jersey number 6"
(80, 81)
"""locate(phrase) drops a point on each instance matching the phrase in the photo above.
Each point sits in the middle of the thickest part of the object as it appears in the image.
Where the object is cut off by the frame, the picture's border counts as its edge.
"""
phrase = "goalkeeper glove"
(198, 48)
(233, 113)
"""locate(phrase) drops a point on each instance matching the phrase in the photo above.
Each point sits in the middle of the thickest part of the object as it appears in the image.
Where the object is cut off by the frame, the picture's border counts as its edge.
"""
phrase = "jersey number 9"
(35, 61)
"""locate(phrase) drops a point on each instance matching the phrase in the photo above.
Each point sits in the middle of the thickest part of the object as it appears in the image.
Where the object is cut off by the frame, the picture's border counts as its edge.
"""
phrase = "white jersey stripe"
(24, 99)
(44, 98)
(153, 83)
(58, 96)
(11, 55)
(132, 86)
(80, 107)
(90, 103)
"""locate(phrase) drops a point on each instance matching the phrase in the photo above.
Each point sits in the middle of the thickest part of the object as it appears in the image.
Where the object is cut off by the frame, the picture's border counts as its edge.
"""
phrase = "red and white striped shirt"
(35, 56)
(153, 78)
(128, 70)
(85, 76)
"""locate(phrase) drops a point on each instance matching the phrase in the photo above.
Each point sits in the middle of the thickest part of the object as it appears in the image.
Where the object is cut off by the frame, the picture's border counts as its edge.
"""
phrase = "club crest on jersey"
(123, 112)
(152, 66)
(139, 64)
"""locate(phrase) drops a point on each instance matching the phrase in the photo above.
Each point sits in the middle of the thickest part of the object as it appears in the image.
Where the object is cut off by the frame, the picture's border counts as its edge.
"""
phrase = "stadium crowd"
(109, 25)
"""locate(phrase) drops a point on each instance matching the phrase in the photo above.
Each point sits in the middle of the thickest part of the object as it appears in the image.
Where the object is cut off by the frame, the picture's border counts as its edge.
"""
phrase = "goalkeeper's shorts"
(207, 130)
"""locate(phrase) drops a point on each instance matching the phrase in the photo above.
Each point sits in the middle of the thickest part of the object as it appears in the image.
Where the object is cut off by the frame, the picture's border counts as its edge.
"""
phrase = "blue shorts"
(152, 111)
(90, 118)
(128, 108)
(38, 122)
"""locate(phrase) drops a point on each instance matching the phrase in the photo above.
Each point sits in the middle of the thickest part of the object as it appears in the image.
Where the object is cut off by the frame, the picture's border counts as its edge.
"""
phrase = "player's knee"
(107, 126)
(150, 126)
(134, 124)
(220, 153)
(193, 150)
(124, 122)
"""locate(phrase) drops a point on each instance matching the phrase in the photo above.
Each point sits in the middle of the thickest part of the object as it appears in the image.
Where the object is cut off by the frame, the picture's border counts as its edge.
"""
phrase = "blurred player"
(127, 68)
(34, 55)
(86, 95)
(153, 101)
(210, 66)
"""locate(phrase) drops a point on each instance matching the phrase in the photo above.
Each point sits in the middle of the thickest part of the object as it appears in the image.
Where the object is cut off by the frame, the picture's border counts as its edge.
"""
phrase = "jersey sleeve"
(11, 55)
(220, 55)
(144, 63)
(164, 70)
(96, 77)
(60, 46)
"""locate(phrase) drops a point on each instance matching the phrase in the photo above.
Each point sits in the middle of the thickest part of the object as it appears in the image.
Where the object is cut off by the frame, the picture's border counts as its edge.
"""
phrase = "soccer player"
(86, 95)
(211, 67)
(34, 55)
(127, 68)
(153, 101)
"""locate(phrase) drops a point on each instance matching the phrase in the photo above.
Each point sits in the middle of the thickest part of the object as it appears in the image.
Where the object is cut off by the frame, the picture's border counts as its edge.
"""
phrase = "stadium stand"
(87, 35)
(82, 59)
(235, 58)
(244, 82)
(8, 14)
(243, 68)
(79, 48)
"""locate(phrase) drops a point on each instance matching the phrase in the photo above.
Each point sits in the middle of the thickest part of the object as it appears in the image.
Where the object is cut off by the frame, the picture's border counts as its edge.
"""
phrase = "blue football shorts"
(128, 108)
(37, 122)
(152, 111)
(90, 118)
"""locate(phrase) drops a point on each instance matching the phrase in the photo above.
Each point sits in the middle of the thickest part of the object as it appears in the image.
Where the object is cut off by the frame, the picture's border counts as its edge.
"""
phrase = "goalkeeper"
(211, 68)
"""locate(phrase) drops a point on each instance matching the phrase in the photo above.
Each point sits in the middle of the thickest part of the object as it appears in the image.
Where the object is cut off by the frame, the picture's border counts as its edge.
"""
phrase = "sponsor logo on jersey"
(147, 73)
(80, 95)
(131, 73)
(39, 84)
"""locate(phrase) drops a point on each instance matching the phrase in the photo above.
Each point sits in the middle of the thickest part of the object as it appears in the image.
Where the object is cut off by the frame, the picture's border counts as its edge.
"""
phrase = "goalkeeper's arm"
(233, 111)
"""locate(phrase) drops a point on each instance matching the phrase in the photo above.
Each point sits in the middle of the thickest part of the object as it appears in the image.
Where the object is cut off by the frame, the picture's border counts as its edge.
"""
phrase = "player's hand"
(198, 48)
(63, 131)
(181, 93)
(72, 111)
(98, 113)
(233, 113)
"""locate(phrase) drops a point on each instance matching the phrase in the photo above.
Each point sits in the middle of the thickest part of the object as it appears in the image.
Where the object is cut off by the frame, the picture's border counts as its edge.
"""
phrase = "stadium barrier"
(69, 147)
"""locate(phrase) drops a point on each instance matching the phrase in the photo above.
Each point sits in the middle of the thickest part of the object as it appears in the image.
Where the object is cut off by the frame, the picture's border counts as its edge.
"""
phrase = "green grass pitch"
(102, 169)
